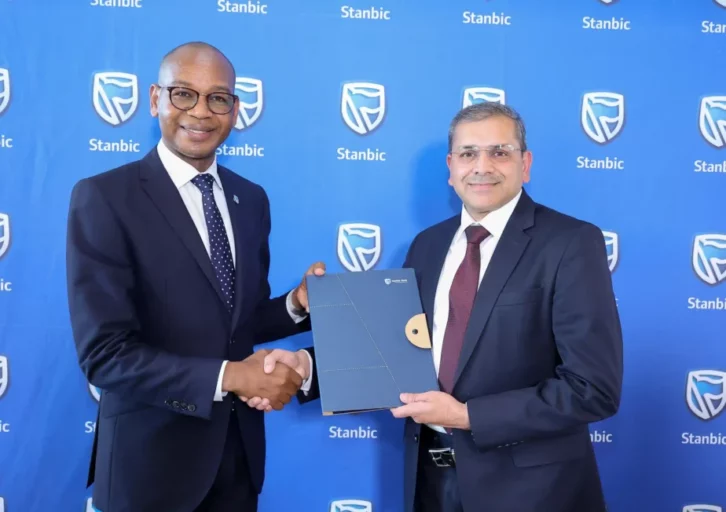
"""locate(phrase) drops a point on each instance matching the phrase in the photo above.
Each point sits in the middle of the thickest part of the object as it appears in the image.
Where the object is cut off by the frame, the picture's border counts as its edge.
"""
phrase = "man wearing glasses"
(168, 290)
(526, 339)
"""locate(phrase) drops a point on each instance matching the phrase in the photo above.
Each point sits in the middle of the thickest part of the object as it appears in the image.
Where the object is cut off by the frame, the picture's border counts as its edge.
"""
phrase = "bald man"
(167, 273)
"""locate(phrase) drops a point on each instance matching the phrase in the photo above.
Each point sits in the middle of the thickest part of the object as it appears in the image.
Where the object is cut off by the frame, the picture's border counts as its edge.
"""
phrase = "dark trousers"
(436, 487)
(232, 490)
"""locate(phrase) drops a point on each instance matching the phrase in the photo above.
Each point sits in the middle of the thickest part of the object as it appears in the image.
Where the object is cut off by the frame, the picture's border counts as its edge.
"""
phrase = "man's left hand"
(300, 294)
(434, 408)
(298, 361)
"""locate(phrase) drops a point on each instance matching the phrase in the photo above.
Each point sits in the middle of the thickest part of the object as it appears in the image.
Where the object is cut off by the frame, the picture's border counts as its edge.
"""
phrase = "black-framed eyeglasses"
(185, 98)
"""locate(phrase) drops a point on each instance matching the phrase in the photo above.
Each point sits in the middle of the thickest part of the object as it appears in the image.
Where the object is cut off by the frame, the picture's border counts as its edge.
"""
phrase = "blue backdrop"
(347, 110)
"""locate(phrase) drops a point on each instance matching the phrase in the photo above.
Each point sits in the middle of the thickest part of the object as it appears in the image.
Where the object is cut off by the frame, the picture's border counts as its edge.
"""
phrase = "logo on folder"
(612, 245)
(602, 115)
(475, 95)
(251, 101)
(706, 393)
(351, 506)
(363, 106)
(702, 508)
(709, 258)
(712, 120)
(359, 246)
(4, 377)
(4, 233)
(115, 96)
(4, 89)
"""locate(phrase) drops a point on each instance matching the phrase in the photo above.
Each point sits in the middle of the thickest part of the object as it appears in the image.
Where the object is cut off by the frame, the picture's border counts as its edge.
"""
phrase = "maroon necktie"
(461, 302)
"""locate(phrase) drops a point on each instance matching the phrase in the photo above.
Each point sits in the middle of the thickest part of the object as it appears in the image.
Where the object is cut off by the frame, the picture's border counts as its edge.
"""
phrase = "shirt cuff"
(305, 388)
(218, 395)
(296, 314)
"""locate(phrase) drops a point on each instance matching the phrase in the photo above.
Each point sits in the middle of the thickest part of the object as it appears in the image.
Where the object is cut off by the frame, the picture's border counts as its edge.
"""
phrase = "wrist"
(305, 363)
(232, 379)
(464, 417)
(295, 301)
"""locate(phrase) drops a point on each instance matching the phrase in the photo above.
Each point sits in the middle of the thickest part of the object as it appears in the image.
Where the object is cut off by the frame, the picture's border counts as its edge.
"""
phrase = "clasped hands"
(267, 379)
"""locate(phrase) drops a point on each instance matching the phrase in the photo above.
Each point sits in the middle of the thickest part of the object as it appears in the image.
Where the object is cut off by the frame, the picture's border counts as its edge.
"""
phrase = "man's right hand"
(248, 378)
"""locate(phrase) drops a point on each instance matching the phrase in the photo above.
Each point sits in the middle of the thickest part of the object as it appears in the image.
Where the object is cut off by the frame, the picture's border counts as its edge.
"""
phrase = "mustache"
(483, 179)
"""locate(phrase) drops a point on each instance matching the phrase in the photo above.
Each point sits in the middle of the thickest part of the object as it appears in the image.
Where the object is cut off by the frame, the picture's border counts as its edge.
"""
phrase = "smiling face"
(486, 165)
(195, 134)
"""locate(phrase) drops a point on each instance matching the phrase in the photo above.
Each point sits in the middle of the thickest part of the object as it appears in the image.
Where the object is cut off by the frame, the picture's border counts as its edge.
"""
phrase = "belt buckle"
(443, 457)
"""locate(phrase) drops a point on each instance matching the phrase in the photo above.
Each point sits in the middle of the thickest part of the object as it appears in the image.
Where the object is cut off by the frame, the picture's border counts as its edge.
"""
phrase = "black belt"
(437, 447)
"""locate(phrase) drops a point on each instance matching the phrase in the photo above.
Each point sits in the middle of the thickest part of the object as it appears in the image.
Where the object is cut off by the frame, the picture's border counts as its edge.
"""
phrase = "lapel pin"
(236, 199)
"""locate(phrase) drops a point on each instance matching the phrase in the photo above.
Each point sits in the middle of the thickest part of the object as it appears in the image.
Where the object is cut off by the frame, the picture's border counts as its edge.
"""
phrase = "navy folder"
(371, 339)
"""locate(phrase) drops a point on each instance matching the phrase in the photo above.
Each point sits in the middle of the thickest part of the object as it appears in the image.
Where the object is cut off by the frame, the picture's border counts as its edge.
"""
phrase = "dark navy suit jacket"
(151, 330)
(542, 358)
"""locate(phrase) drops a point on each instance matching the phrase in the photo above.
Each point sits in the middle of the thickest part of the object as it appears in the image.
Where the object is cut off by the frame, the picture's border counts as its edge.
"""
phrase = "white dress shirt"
(494, 223)
(181, 174)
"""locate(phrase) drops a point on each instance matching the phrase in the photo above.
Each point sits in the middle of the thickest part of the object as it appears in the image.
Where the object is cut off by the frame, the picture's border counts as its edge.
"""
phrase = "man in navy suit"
(526, 339)
(167, 262)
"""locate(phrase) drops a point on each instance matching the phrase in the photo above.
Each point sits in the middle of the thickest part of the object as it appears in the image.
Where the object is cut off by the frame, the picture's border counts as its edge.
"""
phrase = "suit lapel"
(162, 191)
(233, 205)
(431, 276)
(509, 250)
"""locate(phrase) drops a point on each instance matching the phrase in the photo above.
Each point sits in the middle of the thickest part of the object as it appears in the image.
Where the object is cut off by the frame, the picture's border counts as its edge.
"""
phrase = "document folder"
(371, 339)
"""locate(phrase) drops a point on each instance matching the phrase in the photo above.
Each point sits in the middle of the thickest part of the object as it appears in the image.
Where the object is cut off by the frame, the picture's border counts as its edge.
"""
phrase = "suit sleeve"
(101, 285)
(587, 384)
(272, 320)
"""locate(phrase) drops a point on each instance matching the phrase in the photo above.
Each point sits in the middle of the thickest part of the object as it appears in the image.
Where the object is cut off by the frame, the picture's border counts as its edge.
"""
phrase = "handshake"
(267, 379)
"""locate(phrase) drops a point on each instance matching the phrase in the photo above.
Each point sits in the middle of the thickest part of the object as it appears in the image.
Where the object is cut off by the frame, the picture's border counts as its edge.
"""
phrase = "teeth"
(195, 131)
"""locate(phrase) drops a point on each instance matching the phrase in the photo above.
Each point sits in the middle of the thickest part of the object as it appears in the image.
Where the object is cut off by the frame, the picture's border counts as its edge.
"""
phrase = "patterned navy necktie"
(220, 252)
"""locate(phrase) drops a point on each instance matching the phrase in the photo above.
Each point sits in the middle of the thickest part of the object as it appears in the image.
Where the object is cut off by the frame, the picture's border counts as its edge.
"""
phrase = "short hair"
(198, 45)
(485, 110)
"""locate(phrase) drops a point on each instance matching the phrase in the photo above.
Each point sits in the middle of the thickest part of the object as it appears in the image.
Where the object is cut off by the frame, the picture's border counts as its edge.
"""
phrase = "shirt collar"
(180, 171)
(494, 222)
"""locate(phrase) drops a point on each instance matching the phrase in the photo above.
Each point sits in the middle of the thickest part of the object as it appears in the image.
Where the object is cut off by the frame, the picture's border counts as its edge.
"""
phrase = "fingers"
(318, 268)
(279, 356)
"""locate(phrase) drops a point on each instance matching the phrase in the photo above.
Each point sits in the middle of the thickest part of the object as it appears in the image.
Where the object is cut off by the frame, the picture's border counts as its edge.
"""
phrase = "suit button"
(415, 438)
(175, 404)
(167, 402)
(231, 340)
(183, 405)
(192, 408)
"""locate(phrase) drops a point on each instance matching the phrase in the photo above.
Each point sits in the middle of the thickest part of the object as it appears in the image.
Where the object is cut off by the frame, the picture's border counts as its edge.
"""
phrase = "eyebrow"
(215, 87)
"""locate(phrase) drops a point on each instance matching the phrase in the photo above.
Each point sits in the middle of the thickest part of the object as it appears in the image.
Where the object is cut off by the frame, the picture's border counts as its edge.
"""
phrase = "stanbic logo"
(115, 96)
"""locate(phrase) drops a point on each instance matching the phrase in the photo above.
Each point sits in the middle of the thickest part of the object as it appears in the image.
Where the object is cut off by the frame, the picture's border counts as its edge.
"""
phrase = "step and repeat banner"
(346, 107)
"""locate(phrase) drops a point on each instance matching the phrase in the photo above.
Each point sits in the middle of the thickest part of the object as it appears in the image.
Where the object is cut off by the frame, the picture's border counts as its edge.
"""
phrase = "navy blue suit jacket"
(151, 330)
(542, 358)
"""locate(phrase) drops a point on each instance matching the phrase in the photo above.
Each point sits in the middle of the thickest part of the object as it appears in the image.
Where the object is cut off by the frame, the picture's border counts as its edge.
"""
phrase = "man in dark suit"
(167, 263)
(526, 339)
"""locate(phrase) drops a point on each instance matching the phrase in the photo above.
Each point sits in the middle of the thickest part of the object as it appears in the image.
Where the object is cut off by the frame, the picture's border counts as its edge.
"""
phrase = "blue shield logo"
(351, 506)
(612, 246)
(474, 95)
(705, 393)
(712, 120)
(709, 258)
(4, 89)
(359, 246)
(115, 96)
(251, 101)
(363, 106)
(702, 508)
(4, 233)
(603, 115)
(4, 376)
